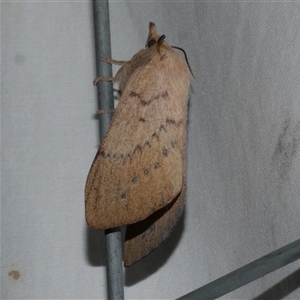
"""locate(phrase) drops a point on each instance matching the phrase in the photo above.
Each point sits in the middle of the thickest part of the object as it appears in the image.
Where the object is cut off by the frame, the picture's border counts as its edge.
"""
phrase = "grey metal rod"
(115, 286)
(247, 273)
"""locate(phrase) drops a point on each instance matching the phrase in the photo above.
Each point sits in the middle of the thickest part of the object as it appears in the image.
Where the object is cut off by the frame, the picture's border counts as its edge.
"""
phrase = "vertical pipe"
(113, 238)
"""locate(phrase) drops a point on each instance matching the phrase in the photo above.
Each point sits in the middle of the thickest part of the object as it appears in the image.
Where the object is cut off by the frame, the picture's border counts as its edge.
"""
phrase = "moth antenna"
(186, 59)
(160, 41)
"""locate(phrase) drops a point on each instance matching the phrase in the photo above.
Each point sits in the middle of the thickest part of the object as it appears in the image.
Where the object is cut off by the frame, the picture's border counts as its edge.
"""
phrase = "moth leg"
(113, 62)
(107, 79)
(97, 79)
(103, 111)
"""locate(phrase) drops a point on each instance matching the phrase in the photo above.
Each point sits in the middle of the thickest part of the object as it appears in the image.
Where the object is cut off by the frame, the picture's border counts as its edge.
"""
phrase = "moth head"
(158, 40)
(154, 38)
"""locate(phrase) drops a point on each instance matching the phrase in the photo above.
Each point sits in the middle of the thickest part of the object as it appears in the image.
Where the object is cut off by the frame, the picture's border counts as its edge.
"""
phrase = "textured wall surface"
(243, 146)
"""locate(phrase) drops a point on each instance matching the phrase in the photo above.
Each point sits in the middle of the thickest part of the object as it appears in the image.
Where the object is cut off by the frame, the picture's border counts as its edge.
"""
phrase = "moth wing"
(145, 236)
(139, 166)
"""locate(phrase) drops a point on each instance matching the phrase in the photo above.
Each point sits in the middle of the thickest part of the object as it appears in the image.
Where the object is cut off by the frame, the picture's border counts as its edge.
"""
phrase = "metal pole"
(248, 273)
(115, 287)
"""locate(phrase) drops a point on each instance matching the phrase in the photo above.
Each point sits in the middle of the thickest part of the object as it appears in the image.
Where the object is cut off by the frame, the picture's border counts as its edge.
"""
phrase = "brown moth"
(138, 174)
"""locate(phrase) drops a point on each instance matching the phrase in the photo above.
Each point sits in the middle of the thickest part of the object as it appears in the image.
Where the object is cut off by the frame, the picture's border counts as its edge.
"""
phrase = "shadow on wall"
(96, 253)
(95, 247)
(282, 288)
(286, 148)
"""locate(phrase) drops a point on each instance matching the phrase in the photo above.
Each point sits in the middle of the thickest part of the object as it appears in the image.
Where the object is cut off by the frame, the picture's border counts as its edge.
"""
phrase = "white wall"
(243, 146)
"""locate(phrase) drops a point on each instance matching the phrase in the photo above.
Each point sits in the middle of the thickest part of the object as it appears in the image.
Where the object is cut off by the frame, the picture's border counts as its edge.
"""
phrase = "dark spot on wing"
(174, 122)
(165, 152)
(163, 95)
(135, 94)
(162, 127)
(112, 200)
(135, 178)
(146, 172)
(174, 144)
(156, 165)
(123, 194)
(138, 149)
(155, 135)
(118, 156)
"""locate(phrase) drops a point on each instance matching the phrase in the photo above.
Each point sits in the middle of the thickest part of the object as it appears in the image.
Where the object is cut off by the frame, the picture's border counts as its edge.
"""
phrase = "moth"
(138, 176)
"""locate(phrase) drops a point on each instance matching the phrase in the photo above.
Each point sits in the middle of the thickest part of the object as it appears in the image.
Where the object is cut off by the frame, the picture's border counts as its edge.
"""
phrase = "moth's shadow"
(95, 247)
(156, 259)
(96, 253)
